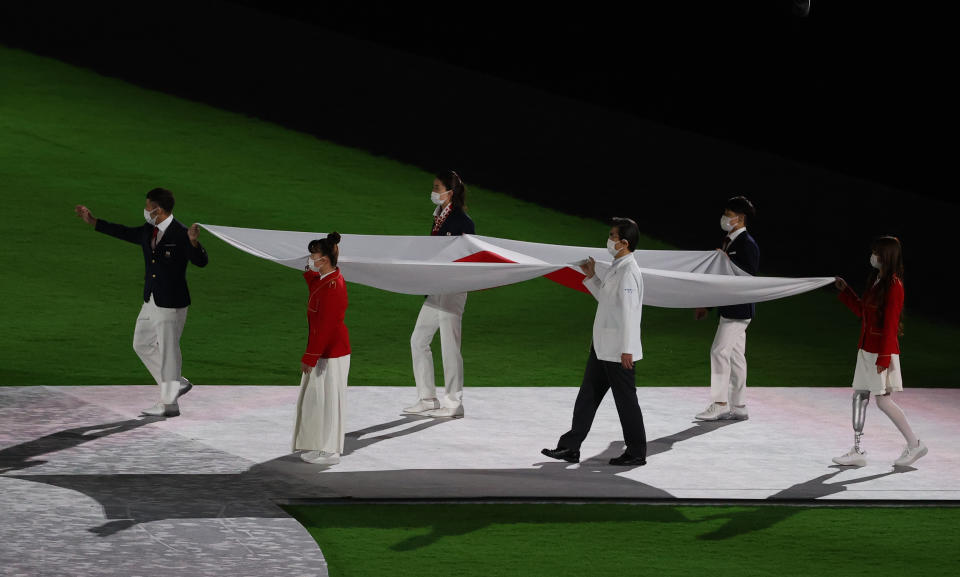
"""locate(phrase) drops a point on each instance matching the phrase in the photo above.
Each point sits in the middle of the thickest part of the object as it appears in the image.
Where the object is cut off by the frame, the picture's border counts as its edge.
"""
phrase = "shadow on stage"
(131, 499)
(23, 456)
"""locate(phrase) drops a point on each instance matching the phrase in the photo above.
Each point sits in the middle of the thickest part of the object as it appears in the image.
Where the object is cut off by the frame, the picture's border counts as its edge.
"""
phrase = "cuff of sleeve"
(883, 361)
(309, 359)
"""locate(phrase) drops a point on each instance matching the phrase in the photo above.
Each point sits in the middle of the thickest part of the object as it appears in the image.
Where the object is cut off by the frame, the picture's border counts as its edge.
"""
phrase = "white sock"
(893, 410)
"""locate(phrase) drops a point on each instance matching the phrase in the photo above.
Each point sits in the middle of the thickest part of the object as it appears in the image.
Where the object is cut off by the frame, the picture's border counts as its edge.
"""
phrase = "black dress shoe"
(568, 455)
(628, 460)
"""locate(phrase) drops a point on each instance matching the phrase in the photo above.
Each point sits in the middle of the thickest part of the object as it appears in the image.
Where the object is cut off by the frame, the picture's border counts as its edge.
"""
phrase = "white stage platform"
(782, 452)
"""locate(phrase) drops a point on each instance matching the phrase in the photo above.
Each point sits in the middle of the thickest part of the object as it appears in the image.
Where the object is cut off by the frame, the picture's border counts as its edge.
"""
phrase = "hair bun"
(334, 237)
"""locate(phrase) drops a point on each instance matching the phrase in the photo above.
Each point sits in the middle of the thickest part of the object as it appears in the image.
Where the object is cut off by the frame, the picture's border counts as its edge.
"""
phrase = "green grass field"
(552, 540)
(70, 295)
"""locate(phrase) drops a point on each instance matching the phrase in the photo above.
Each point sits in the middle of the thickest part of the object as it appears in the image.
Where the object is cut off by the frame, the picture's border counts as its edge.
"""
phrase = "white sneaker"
(161, 410)
(320, 457)
(911, 454)
(713, 412)
(448, 412)
(736, 414)
(852, 457)
(422, 406)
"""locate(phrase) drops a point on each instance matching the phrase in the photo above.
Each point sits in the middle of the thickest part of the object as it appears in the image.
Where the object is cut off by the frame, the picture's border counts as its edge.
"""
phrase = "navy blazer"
(166, 266)
(744, 253)
(457, 223)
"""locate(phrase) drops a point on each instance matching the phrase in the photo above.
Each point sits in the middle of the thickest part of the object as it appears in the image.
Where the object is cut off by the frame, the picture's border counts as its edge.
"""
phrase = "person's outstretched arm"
(849, 297)
(129, 234)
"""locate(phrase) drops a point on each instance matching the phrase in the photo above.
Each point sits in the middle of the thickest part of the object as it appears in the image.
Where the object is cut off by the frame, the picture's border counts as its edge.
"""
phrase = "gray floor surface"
(89, 488)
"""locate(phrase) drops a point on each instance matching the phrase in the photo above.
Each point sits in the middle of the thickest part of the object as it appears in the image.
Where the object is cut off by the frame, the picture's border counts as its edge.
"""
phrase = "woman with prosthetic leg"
(878, 357)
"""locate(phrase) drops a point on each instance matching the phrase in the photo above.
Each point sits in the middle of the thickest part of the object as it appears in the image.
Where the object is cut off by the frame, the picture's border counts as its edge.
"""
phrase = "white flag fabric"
(425, 265)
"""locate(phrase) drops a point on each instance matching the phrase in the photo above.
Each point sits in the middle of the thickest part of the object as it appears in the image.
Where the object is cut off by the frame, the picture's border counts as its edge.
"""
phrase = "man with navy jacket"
(167, 247)
(728, 361)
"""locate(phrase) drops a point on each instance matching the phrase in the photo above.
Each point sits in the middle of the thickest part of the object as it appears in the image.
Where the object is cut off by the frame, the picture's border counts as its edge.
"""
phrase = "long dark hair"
(327, 247)
(887, 249)
(452, 181)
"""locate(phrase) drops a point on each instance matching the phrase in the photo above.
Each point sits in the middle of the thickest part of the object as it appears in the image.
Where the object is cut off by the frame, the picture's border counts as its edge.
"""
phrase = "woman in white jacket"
(615, 349)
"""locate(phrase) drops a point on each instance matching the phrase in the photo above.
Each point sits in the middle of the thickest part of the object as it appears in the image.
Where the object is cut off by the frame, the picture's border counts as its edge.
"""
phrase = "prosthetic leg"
(856, 456)
(860, 401)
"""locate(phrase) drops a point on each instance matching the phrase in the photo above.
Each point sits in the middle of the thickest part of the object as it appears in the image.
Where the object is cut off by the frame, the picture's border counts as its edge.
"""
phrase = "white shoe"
(911, 454)
(452, 413)
(320, 457)
(713, 412)
(852, 457)
(422, 406)
(736, 414)
(185, 386)
(161, 410)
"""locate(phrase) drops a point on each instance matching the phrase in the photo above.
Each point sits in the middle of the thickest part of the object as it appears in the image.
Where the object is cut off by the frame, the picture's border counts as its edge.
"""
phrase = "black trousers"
(597, 378)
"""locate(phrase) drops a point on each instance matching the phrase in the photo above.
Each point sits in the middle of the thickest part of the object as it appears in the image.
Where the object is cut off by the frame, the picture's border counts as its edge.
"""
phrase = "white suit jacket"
(616, 327)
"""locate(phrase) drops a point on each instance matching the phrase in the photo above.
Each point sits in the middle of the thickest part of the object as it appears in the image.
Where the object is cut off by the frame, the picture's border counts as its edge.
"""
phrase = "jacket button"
(154, 276)
(153, 261)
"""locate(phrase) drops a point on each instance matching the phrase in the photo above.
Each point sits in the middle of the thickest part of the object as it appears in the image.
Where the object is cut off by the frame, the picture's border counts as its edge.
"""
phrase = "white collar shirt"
(163, 226)
(619, 294)
(732, 235)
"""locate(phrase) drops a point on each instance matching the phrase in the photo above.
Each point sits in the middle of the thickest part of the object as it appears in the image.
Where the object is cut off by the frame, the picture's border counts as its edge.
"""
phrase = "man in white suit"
(615, 349)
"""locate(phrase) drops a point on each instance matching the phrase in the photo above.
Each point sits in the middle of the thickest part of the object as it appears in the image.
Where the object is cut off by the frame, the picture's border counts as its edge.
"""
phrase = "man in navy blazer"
(167, 247)
(728, 361)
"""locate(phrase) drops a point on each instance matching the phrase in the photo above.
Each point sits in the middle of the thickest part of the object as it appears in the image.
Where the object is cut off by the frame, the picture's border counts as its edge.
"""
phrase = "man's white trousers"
(156, 339)
(728, 362)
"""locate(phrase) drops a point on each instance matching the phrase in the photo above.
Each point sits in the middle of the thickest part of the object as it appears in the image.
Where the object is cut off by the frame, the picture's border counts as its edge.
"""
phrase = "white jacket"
(616, 327)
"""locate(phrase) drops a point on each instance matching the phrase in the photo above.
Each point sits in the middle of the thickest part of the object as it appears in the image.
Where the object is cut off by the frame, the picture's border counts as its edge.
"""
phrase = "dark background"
(832, 123)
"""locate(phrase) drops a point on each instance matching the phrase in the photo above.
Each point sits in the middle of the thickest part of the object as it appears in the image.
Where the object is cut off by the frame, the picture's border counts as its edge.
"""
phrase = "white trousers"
(156, 339)
(443, 313)
(728, 362)
(322, 407)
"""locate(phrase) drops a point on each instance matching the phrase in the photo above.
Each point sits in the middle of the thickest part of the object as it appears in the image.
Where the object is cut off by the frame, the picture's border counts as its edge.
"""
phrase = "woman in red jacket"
(878, 360)
(326, 363)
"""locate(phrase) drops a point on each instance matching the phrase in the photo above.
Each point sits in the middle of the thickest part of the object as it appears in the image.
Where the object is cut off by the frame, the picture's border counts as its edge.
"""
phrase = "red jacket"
(325, 311)
(873, 337)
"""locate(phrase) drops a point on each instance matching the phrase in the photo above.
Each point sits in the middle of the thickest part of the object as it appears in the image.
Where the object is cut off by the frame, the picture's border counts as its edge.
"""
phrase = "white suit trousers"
(728, 362)
(322, 407)
(443, 313)
(156, 339)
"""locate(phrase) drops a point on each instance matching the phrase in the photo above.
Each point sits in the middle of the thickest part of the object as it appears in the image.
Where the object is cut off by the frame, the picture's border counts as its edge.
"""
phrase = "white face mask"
(150, 219)
(725, 223)
(874, 261)
(312, 264)
(612, 247)
(435, 197)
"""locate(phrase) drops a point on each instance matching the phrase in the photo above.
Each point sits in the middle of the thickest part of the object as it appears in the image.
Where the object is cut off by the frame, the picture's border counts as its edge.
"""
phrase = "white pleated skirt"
(866, 378)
